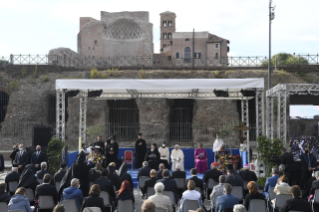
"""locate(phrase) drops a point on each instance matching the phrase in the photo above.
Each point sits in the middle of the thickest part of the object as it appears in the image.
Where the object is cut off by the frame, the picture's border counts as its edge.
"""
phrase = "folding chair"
(106, 199)
(91, 183)
(257, 205)
(245, 184)
(3, 206)
(315, 199)
(70, 205)
(46, 202)
(17, 211)
(125, 206)
(280, 200)
(190, 205)
(40, 180)
(180, 182)
(150, 191)
(271, 196)
(198, 189)
(13, 186)
(129, 158)
(141, 182)
(238, 192)
(30, 194)
(160, 209)
(90, 209)
(57, 186)
(210, 185)
(171, 196)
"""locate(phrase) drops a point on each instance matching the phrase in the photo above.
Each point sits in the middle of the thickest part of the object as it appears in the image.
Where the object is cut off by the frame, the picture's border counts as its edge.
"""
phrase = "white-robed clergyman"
(177, 157)
(218, 143)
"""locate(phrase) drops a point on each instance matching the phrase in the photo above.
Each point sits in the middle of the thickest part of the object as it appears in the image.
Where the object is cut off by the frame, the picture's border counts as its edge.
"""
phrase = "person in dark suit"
(315, 184)
(40, 174)
(288, 160)
(94, 199)
(21, 158)
(247, 175)
(60, 174)
(2, 167)
(199, 183)
(37, 158)
(14, 152)
(144, 171)
(212, 173)
(253, 194)
(113, 176)
(150, 182)
(308, 161)
(232, 178)
(13, 176)
(94, 174)
(4, 195)
(178, 173)
(296, 203)
(45, 189)
(112, 150)
(159, 174)
(169, 184)
(100, 143)
(106, 184)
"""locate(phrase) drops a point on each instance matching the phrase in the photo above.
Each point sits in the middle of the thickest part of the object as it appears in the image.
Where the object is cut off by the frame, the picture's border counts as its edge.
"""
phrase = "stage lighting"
(92, 94)
(248, 92)
(74, 93)
(221, 93)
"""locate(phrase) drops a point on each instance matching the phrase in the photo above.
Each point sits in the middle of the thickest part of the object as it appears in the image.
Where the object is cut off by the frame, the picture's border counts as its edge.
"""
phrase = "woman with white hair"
(239, 208)
(177, 157)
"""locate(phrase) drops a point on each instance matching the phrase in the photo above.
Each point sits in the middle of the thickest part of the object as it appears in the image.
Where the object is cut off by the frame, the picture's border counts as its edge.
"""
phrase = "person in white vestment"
(218, 143)
(177, 157)
(164, 152)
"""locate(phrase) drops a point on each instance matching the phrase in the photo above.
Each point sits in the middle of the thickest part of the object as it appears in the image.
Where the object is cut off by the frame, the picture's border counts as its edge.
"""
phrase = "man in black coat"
(232, 178)
(2, 167)
(13, 176)
(212, 173)
(288, 160)
(45, 189)
(60, 174)
(140, 150)
(40, 174)
(248, 175)
(170, 184)
(178, 173)
(37, 158)
(199, 183)
(113, 176)
(144, 171)
(308, 161)
(106, 184)
(99, 143)
(112, 150)
(14, 152)
(159, 174)
(296, 203)
(150, 182)
(21, 158)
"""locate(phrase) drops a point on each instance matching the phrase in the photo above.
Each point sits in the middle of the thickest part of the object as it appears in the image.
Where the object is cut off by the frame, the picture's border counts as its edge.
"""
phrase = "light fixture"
(221, 93)
(97, 93)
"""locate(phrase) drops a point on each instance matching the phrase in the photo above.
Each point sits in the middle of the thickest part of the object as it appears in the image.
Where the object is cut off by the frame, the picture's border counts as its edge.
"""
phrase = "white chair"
(3, 206)
(315, 199)
(46, 202)
(271, 196)
(70, 205)
(106, 199)
(245, 184)
(190, 205)
(171, 196)
(280, 201)
(238, 192)
(160, 209)
(92, 209)
(257, 205)
(125, 206)
(141, 181)
(180, 182)
(30, 194)
(57, 186)
(13, 186)
(150, 191)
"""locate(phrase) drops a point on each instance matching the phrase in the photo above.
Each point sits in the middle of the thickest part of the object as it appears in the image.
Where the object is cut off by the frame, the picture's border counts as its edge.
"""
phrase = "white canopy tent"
(116, 89)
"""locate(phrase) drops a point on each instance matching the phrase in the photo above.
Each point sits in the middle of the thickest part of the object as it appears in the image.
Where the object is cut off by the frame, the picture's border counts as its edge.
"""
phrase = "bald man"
(150, 182)
(37, 158)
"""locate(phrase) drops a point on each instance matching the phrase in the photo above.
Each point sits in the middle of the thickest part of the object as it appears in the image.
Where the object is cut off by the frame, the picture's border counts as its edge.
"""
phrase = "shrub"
(94, 73)
(14, 85)
(54, 152)
(24, 71)
(36, 72)
(141, 74)
(45, 78)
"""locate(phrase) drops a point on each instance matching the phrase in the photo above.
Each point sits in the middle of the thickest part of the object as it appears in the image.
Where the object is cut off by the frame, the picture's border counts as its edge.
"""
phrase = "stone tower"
(168, 27)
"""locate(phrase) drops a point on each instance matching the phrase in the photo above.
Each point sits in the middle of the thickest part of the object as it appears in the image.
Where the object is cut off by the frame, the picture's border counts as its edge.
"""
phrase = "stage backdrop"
(188, 156)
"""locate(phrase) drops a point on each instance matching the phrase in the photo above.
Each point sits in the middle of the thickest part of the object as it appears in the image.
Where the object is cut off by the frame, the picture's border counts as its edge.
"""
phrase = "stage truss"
(192, 89)
(281, 92)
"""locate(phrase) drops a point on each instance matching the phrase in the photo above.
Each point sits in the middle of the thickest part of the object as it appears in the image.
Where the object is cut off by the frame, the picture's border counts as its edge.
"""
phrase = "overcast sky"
(36, 26)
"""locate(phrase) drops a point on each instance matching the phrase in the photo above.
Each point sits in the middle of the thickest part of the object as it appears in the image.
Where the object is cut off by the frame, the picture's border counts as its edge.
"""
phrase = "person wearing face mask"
(112, 150)
(22, 158)
(308, 161)
(164, 152)
(37, 158)
(74, 192)
(140, 150)
(153, 157)
(218, 143)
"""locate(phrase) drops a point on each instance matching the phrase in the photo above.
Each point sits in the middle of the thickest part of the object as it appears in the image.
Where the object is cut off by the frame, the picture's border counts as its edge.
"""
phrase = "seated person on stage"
(144, 171)
(153, 157)
(178, 173)
(159, 174)
(43, 171)
(232, 178)
(160, 200)
(27, 178)
(296, 203)
(125, 192)
(13, 176)
(60, 174)
(73, 192)
(113, 176)
(212, 173)
(169, 184)
(198, 182)
(271, 181)
(248, 175)
(200, 156)
(45, 189)
(19, 201)
(177, 157)
(94, 199)
(106, 184)
(227, 200)
(4, 196)
(191, 194)
(253, 194)
(282, 187)
(150, 182)
(164, 152)
(218, 190)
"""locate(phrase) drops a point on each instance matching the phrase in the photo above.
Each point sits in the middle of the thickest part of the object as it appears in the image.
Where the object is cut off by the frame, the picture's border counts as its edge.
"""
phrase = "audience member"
(296, 203)
(218, 190)
(125, 192)
(13, 176)
(159, 174)
(227, 200)
(94, 199)
(315, 184)
(20, 202)
(253, 194)
(60, 174)
(148, 206)
(271, 181)
(169, 184)
(27, 178)
(14, 152)
(150, 182)
(233, 178)
(43, 171)
(21, 158)
(191, 194)
(198, 182)
(212, 173)
(144, 171)
(94, 174)
(282, 187)
(178, 173)
(106, 184)
(113, 176)
(59, 208)
(73, 192)
(126, 176)
(4, 196)
(45, 189)
(247, 175)
(282, 171)
(160, 200)
(37, 158)
(239, 208)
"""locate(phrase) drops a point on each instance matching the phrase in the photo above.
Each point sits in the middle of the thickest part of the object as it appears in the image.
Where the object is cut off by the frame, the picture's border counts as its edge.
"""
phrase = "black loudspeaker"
(42, 135)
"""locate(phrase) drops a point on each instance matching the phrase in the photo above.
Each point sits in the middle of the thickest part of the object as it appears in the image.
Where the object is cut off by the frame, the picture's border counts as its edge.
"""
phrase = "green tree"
(285, 59)
(54, 152)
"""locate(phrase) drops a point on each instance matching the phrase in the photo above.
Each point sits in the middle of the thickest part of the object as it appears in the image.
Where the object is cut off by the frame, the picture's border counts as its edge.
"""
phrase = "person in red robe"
(200, 156)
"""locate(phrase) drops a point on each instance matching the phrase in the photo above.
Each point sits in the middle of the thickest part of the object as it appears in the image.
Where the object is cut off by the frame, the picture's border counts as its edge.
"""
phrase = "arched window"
(187, 55)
